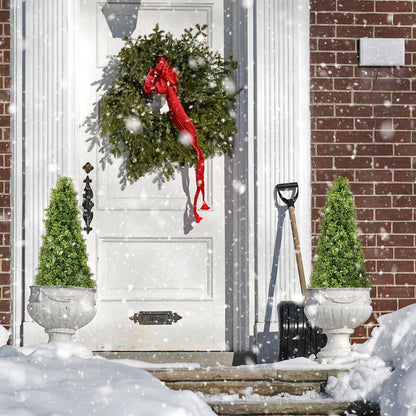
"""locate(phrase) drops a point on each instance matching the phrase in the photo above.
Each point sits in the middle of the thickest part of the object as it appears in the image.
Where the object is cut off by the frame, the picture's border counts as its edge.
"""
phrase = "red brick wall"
(5, 157)
(363, 127)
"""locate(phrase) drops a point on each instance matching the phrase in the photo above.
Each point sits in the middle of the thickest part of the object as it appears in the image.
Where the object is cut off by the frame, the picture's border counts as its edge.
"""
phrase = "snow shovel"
(290, 202)
(297, 337)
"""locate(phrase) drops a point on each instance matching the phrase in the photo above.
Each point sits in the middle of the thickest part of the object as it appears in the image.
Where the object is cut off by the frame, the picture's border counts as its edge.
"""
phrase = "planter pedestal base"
(60, 334)
(338, 344)
(338, 311)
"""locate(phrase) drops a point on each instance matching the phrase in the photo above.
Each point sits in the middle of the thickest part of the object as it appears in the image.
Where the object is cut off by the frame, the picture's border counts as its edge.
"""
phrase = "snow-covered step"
(305, 406)
(203, 358)
(259, 391)
(316, 407)
(264, 388)
(236, 380)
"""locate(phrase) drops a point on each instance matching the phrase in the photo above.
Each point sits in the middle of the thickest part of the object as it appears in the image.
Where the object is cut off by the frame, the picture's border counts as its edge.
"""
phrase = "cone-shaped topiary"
(63, 254)
(339, 255)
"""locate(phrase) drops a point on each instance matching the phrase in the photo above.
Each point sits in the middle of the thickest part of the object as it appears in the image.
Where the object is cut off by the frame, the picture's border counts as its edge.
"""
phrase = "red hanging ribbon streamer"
(162, 79)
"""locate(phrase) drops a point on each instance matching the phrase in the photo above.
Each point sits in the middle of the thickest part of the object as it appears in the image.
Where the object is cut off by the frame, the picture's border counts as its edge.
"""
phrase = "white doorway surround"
(270, 40)
(141, 256)
(281, 155)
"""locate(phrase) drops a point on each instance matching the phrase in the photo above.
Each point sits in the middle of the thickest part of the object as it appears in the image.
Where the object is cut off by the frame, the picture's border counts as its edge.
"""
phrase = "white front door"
(145, 253)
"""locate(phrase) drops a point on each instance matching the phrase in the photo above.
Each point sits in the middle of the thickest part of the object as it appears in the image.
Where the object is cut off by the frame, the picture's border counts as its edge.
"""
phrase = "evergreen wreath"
(143, 134)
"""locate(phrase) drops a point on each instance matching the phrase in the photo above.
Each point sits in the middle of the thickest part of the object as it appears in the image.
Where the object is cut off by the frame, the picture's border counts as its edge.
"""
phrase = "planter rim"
(339, 288)
(61, 310)
(65, 287)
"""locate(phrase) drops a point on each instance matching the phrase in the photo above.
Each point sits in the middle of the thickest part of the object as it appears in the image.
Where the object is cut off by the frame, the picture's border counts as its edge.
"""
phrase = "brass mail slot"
(155, 317)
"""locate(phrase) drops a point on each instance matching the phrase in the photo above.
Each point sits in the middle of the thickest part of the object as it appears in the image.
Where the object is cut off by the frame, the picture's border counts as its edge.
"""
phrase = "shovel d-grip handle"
(290, 202)
(293, 186)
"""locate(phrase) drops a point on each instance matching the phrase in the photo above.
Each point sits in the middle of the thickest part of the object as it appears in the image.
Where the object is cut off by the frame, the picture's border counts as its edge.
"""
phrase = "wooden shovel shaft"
(296, 243)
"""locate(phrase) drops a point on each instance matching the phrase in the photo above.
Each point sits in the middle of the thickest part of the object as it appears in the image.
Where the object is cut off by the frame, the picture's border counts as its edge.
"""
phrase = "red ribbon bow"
(162, 79)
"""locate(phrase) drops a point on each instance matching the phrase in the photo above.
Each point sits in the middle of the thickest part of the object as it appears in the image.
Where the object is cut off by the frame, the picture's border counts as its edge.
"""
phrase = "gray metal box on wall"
(381, 51)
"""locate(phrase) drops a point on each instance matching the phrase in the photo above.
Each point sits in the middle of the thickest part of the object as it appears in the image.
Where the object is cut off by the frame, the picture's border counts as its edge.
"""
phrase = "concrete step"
(288, 408)
(236, 380)
(304, 408)
(257, 391)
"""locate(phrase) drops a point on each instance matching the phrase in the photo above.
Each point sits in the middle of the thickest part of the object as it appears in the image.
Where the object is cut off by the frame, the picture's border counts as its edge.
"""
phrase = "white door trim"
(241, 181)
(44, 39)
(281, 154)
(264, 135)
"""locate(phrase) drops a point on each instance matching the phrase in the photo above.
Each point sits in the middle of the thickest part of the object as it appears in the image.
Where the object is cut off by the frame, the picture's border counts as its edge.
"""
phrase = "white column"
(282, 148)
(49, 110)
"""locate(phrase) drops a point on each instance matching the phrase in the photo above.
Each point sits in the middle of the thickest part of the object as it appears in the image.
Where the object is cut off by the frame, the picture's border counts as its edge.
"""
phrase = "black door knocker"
(87, 203)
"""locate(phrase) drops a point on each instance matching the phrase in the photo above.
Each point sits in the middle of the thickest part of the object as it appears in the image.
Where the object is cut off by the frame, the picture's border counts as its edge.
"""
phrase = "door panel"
(144, 194)
(177, 270)
(144, 250)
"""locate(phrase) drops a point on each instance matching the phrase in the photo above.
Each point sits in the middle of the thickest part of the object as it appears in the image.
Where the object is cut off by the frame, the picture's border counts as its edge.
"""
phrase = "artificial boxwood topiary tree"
(339, 255)
(63, 254)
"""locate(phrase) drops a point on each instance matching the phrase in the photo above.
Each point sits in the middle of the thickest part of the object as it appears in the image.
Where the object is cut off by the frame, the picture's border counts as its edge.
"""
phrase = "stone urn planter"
(63, 297)
(337, 311)
(61, 310)
(338, 300)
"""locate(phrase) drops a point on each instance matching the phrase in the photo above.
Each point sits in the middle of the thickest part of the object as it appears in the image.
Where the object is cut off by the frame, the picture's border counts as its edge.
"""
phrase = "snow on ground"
(386, 369)
(61, 379)
(4, 335)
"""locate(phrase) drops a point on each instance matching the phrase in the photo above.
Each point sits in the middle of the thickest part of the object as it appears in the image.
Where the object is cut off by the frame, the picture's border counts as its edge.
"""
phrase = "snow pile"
(65, 379)
(362, 382)
(4, 335)
(388, 375)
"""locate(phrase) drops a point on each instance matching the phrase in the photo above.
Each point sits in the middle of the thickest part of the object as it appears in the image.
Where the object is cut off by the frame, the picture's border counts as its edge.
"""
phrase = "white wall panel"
(49, 105)
(282, 146)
